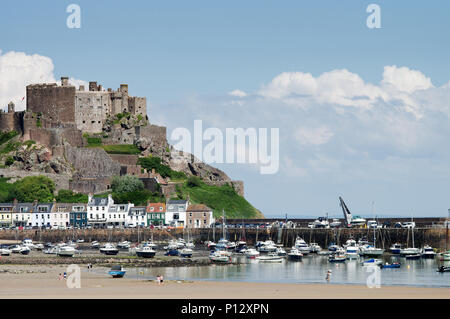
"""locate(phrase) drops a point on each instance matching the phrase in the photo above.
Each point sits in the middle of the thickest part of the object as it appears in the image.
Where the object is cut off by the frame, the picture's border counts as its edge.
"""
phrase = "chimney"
(64, 81)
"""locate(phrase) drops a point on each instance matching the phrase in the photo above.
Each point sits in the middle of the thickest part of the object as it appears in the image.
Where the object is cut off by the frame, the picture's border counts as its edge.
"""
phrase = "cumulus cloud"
(18, 69)
(313, 136)
(237, 93)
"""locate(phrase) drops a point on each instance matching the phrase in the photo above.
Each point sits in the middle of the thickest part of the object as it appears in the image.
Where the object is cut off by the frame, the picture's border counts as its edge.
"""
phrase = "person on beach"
(60, 276)
(65, 275)
(158, 279)
(328, 275)
(161, 278)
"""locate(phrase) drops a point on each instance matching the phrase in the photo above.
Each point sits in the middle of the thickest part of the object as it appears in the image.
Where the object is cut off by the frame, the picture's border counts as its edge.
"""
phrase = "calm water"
(312, 269)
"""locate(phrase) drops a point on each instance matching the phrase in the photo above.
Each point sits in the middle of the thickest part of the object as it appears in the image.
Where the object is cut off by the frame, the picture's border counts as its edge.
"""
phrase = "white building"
(60, 215)
(41, 215)
(137, 216)
(22, 214)
(118, 214)
(97, 210)
(176, 212)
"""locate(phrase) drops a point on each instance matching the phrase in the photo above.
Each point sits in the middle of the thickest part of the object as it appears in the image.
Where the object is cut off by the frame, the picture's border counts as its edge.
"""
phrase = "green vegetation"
(7, 135)
(29, 143)
(68, 196)
(38, 120)
(9, 161)
(153, 162)
(139, 198)
(30, 188)
(217, 198)
(5, 190)
(94, 141)
(9, 147)
(121, 149)
(126, 184)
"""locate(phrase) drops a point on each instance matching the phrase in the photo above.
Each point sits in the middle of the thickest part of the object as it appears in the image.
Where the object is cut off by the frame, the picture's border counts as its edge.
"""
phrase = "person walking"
(161, 278)
(328, 277)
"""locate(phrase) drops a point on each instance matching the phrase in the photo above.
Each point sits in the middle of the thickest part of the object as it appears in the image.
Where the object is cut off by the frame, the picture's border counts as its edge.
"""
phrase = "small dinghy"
(444, 269)
(117, 271)
(393, 265)
(372, 262)
(186, 253)
(172, 252)
(337, 258)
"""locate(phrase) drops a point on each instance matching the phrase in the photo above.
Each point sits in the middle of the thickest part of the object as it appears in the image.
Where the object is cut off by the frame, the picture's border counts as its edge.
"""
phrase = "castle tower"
(64, 81)
(11, 107)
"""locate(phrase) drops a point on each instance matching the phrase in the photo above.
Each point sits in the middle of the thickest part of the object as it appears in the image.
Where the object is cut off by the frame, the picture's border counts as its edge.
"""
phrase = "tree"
(193, 181)
(126, 184)
(68, 196)
(30, 188)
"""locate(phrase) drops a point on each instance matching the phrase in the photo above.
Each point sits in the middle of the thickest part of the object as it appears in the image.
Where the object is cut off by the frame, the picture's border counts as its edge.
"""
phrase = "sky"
(362, 113)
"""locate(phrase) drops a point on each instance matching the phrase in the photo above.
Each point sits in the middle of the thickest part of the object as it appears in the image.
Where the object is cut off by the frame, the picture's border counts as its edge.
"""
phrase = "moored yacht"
(314, 248)
(109, 249)
(295, 254)
(186, 253)
(251, 253)
(370, 251)
(66, 251)
(270, 257)
(302, 246)
(145, 252)
(428, 252)
(267, 247)
(409, 251)
(396, 248)
(124, 245)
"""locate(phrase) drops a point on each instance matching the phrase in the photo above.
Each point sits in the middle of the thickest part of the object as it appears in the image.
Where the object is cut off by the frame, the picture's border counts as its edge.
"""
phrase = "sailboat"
(411, 253)
(369, 250)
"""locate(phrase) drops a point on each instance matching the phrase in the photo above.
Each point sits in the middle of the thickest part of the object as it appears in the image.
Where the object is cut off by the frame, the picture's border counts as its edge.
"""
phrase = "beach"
(43, 282)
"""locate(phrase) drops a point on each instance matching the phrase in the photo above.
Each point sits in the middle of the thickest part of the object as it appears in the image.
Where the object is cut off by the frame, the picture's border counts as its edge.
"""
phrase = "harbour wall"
(436, 237)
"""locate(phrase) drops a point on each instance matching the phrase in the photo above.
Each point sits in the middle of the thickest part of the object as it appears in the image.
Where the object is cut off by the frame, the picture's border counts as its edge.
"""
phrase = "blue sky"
(186, 57)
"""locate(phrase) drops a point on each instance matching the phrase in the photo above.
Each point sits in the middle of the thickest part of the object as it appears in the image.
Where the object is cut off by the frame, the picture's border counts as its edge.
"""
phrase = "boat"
(51, 250)
(172, 252)
(444, 256)
(241, 246)
(281, 252)
(337, 258)
(270, 257)
(302, 246)
(39, 247)
(324, 253)
(180, 243)
(444, 269)
(218, 256)
(409, 251)
(109, 249)
(117, 271)
(145, 252)
(190, 245)
(5, 252)
(332, 247)
(370, 251)
(211, 245)
(186, 253)
(321, 222)
(393, 265)
(396, 248)
(314, 248)
(351, 249)
(372, 262)
(267, 247)
(124, 245)
(15, 249)
(80, 241)
(95, 244)
(295, 254)
(66, 251)
(25, 250)
(251, 253)
(413, 256)
(428, 252)
(28, 243)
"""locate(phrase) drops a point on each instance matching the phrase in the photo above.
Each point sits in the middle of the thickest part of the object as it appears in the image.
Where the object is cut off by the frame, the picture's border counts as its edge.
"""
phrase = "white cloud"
(404, 79)
(313, 136)
(237, 93)
(17, 70)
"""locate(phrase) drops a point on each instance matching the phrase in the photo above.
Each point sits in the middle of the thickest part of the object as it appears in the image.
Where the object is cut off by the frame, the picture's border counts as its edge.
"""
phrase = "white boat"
(428, 252)
(39, 247)
(219, 256)
(351, 249)
(186, 252)
(145, 252)
(321, 222)
(314, 248)
(444, 256)
(270, 257)
(25, 250)
(251, 253)
(51, 250)
(409, 251)
(302, 246)
(15, 249)
(295, 254)
(370, 251)
(396, 248)
(281, 252)
(190, 245)
(109, 249)
(5, 252)
(267, 247)
(28, 243)
(124, 245)
(80, 241)
(372, 262)
(66, 251)
(95, 244)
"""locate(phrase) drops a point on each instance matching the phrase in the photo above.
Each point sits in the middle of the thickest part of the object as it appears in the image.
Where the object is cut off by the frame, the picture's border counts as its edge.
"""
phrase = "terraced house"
(156, 214)
(97, 210)
(60, 215)
(137, 216)
(199, 216)
(78, 215)
(117, 214)
(22, 214)
(6, 212)
(176, 212)
(41, 214)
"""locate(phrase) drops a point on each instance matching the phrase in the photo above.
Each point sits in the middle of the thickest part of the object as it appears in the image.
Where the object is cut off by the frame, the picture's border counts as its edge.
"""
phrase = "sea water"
(312, 269)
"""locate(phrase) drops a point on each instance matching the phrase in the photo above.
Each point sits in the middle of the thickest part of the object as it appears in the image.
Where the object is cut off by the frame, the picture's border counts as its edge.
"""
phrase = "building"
(60, 215)
(22, 214)
(176, 212)
(41, 214)
(156, 214)
(118, 214)
(97, 210)
(6, 212)
(137, 216)
(199, 216)
(78, 215)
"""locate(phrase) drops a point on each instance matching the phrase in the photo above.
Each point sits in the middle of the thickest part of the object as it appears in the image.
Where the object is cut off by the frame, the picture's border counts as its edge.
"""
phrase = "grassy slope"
(220, 198)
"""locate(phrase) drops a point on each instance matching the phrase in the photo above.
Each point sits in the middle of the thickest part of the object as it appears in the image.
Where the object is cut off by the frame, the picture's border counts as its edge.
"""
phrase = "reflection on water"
(312, 269)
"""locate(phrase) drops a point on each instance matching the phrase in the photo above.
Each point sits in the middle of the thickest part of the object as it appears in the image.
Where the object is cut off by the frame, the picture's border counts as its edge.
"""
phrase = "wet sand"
(19, 281)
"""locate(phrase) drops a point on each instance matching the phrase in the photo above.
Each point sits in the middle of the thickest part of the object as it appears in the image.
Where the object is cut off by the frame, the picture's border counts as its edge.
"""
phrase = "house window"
(151, 209)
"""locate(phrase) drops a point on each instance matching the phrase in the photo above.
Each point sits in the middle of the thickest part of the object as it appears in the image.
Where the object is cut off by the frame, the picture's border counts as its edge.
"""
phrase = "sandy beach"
(21, 281)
